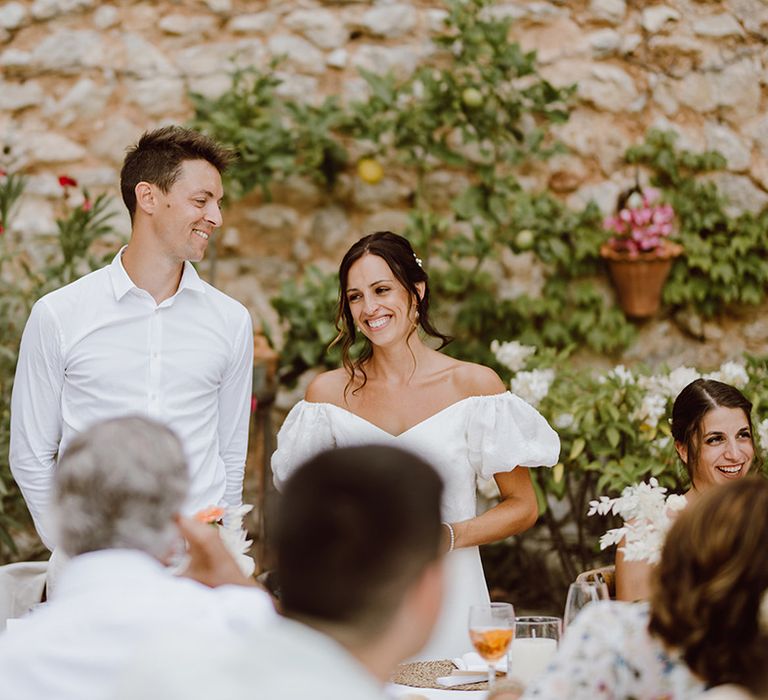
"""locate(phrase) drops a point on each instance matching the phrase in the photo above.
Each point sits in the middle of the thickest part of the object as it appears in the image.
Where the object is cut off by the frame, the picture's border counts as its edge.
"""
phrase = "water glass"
(534, 645)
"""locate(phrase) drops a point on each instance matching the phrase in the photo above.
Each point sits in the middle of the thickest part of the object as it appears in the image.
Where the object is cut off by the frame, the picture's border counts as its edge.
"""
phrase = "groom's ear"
(145, 197)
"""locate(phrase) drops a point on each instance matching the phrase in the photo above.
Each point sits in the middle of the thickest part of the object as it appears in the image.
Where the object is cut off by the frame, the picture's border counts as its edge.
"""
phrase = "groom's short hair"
(357, 526)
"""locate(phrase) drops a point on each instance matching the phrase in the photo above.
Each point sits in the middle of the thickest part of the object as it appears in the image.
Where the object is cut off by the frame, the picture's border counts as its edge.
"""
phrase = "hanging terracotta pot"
(639, 279)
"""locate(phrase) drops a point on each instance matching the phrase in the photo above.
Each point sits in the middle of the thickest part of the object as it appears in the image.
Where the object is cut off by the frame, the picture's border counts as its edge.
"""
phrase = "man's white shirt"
(283, 660)
(101, 348)
(109, 606)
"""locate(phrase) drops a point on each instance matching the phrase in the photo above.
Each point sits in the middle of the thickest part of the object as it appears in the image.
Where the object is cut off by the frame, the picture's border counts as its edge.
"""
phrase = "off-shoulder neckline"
(415, 425)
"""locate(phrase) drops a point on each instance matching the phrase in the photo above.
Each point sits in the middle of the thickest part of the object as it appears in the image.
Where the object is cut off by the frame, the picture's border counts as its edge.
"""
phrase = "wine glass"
(580, 594)
(491, 628)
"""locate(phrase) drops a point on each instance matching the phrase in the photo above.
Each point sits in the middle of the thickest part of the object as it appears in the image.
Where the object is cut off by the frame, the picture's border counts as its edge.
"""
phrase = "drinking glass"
(534, 644)
(491, 628)
(580, 594)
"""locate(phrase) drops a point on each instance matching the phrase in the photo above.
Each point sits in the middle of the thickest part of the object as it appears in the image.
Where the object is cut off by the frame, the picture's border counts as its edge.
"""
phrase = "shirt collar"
(122, 283)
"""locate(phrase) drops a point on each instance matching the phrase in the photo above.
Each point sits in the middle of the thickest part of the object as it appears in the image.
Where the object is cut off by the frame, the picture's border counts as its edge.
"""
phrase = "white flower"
(532, 386)
(646, 511)
(619, 372)
(512, 354)
(672, 384)
(563, 421)
(651, 409)
(762, 433)
(731, 373)
(679, 378)
(676, 502)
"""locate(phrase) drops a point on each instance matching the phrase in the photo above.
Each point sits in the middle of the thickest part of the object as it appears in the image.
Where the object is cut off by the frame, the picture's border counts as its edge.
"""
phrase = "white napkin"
(450, 681)
(472, 661)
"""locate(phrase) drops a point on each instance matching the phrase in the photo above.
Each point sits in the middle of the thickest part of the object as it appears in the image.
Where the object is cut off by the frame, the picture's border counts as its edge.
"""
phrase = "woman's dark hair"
(396, 251)
(707, 592)
(693, 403)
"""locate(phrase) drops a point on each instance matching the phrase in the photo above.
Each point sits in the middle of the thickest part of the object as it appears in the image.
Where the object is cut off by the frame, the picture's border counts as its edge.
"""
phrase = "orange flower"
(209, 515)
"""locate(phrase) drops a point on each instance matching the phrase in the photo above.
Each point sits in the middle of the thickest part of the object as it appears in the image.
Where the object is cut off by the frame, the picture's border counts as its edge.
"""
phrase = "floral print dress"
(607, 653)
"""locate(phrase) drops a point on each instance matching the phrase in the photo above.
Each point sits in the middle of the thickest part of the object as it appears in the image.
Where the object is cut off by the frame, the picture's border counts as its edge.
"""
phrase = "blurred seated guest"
(361, 579)
(118, 490)
(712, 430)
(706, 623)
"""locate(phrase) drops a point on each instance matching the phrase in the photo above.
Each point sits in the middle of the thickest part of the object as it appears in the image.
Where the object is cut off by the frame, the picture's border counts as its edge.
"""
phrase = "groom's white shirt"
(109, 604)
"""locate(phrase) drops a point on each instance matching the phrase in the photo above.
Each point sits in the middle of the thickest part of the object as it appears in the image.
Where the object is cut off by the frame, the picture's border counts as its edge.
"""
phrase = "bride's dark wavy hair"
(396, 251)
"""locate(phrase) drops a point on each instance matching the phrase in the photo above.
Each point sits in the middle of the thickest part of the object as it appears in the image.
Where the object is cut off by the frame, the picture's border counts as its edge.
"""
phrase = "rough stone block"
(15, 96)
(297, 51)
(322, 27)
(255, 23)
(726, 141)
(181, 25)
(658, 18)
(389, 21)
(612, 11)
(720, 25)
(12, 15)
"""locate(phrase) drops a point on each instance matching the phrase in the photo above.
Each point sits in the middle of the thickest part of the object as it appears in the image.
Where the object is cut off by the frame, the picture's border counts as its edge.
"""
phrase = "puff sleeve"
(305, 432)
(504, 432)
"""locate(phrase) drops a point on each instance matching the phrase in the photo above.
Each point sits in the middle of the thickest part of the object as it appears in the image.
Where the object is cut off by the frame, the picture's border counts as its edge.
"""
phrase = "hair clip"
(418, 261)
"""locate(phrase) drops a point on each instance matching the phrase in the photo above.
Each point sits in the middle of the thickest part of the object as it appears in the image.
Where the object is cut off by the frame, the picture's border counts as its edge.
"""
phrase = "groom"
(143, 335)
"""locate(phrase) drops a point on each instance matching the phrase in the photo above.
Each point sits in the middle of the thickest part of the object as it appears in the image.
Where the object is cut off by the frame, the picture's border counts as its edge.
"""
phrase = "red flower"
(2, 229)
(254, 404)
(86, 206)
(2, 173)
(67, 181)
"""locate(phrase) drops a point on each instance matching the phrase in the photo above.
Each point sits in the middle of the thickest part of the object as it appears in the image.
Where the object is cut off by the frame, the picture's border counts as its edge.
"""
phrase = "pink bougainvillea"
(642, 225)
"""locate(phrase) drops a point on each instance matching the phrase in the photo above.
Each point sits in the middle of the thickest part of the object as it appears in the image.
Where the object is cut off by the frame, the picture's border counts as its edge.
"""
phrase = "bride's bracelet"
(453, 536)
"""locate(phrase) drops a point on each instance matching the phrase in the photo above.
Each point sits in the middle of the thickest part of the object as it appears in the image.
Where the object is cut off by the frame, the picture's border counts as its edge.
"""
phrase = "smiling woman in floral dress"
(456, 415)
(712, 429)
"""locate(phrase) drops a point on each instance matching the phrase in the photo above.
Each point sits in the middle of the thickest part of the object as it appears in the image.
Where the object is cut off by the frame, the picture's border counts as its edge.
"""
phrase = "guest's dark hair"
(693, 403)
(158, 156)
(356, 527)
(396, 251)
(707, 590)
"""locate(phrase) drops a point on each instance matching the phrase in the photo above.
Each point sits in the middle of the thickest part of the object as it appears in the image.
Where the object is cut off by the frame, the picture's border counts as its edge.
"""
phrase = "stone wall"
(82, 79)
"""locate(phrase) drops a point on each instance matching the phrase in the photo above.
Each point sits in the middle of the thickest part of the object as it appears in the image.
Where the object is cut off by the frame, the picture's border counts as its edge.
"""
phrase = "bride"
(456, 415)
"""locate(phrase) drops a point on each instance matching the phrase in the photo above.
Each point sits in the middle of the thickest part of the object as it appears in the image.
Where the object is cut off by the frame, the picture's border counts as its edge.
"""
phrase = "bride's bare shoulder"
(477, 380)
(327, 387)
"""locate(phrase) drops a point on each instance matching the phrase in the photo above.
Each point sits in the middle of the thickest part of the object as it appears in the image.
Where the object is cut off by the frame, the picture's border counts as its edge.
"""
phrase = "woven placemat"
(423, 674)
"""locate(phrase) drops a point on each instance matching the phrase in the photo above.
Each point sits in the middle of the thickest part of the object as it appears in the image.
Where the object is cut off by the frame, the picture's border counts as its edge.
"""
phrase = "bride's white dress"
(477, 436)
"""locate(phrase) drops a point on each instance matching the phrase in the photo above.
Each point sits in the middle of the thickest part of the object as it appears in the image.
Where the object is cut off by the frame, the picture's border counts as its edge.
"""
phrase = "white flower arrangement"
(235, 537)
(647, 513)
(229, 522)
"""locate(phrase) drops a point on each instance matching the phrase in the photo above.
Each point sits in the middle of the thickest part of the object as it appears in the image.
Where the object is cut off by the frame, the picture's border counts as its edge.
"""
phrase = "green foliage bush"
(70, 254)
